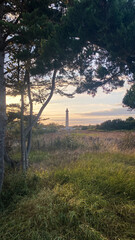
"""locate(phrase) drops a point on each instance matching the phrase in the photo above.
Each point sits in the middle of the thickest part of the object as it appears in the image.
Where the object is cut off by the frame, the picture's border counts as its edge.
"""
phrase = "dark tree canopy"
(108, 24)
(105, 30)
(118, 124)
(129, 98)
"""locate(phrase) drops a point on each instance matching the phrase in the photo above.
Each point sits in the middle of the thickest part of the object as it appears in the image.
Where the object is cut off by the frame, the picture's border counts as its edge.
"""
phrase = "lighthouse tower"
(67, 119)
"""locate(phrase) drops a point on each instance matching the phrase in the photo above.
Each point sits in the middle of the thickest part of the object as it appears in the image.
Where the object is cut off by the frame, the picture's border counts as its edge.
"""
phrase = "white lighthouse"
(67, 119)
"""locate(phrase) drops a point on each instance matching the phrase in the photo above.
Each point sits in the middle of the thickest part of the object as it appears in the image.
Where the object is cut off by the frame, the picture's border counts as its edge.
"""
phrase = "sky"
(84, 109)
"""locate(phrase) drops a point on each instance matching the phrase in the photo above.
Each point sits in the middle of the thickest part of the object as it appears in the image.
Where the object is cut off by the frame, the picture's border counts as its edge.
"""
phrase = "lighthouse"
(67, 118)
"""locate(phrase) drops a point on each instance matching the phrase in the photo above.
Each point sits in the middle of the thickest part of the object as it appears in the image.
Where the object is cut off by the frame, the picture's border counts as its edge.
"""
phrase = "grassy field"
(80, 186)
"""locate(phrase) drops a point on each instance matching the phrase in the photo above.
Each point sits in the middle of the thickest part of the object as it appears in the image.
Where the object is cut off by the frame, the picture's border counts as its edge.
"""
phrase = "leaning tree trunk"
(27, 133)
(27, 130)
(2, 114)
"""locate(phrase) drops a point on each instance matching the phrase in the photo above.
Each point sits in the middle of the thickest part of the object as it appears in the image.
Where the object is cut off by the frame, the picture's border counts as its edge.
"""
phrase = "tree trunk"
(22, 133)
(2, 115)
(27, 133)
(8, 160)
(30, 119)
(27, 130)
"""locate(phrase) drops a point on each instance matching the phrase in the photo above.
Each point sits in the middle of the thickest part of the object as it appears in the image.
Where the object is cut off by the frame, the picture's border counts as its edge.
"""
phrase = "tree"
(129, 98)
(7, 28)
(118, 124)
(36, 26)
(130, 119)
(33, 26)
(109, 27)
(13, 15)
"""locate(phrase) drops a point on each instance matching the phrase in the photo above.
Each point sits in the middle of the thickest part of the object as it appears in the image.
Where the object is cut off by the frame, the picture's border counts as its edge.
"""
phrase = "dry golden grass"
(86, 140)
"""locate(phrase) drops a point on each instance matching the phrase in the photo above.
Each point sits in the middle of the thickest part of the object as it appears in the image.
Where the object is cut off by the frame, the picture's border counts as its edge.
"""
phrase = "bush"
(51, 128)
(84, 127)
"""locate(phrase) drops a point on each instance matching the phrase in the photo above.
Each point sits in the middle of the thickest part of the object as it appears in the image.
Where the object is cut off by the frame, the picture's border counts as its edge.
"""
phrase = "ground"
(80, 186)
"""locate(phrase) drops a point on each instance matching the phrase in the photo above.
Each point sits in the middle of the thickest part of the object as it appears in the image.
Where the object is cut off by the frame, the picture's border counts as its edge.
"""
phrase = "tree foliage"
(108, 27)
(118, 124)
(129, 98)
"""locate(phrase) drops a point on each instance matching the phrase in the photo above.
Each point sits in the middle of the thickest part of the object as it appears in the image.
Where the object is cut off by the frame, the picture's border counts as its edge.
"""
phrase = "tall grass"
(90, 199)
(56, 141)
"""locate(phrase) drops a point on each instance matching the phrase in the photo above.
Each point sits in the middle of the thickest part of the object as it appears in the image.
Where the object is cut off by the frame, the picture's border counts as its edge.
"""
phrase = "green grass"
(90, 199)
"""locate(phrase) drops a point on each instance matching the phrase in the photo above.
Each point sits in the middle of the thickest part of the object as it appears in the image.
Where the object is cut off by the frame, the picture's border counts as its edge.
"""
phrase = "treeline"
(117, 124)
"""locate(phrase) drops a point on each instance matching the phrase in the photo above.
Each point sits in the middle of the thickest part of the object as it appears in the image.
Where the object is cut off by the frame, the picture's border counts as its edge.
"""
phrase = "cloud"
(111, 112)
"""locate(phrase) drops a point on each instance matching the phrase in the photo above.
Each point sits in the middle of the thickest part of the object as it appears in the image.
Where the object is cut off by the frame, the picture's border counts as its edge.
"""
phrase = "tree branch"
(27, 130)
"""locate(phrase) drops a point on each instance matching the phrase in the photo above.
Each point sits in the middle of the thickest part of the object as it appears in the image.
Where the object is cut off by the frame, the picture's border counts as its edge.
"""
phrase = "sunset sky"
(84, 109)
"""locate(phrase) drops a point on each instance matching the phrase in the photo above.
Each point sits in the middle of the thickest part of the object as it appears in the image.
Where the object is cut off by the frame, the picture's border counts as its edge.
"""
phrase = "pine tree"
(22, 26)
(10, 12)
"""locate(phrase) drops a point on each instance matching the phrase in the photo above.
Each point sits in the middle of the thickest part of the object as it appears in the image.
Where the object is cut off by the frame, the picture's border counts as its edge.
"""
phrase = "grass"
(91, 198)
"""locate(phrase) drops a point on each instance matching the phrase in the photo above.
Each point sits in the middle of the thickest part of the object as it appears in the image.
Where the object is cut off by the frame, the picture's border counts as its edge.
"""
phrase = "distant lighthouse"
(67, 119)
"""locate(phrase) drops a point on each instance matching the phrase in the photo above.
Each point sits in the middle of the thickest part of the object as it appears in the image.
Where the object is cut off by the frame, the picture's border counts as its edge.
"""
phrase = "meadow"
(80, 186)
